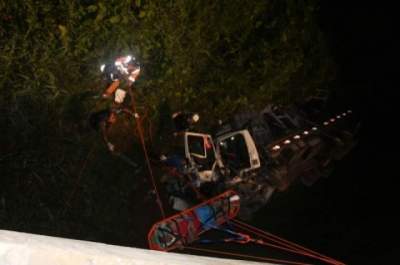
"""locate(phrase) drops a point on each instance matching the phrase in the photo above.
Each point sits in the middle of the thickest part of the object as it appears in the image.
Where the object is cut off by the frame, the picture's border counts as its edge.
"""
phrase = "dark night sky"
(361, 37)
(352, 215)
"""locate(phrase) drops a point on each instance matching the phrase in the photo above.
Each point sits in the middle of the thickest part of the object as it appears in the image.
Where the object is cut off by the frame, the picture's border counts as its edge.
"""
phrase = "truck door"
(238, 151)
(200, 151)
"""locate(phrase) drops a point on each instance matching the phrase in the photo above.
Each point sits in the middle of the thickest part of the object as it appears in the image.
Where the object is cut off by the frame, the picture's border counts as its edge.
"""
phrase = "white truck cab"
(235, 150)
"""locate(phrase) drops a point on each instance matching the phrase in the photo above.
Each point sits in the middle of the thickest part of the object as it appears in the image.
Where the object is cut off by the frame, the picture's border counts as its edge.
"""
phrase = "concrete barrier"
(28, 249)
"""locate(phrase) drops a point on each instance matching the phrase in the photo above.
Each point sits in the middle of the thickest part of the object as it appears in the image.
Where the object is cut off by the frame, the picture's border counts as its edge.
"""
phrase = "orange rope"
(264, 234)
(281, 241)
(277, 239)
(278, 261)
(78, 179)
(294, 251)
(149, 168)
(287, 243)
(270, 239)
(287, 248)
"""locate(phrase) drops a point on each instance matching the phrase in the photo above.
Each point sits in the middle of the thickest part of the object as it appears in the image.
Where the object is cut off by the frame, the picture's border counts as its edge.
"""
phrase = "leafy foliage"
(215, 57)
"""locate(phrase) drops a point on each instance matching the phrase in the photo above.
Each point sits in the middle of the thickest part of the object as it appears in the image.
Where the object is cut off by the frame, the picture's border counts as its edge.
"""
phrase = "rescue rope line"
(244, 239)
(277, 261)
(289, 244)
(285, 248)
(149, 168)
(276, 238)
(78, 179)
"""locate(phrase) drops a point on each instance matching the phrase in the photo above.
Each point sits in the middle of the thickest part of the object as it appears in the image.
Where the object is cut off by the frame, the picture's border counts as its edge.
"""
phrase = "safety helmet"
(195, 117)
(127, 64)
(110, 72)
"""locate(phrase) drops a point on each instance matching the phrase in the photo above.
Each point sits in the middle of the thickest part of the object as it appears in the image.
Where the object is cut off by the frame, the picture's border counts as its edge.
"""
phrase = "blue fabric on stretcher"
(206, 216)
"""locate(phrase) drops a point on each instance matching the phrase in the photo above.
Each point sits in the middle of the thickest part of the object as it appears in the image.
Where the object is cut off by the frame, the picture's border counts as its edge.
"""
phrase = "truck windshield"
(201, 151)
(196, 145)
(234, 152)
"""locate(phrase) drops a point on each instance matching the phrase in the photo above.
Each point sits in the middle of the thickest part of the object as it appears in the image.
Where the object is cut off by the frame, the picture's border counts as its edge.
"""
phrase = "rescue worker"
(184, 121)
(102, 120)
(120, 76)
(123, 70)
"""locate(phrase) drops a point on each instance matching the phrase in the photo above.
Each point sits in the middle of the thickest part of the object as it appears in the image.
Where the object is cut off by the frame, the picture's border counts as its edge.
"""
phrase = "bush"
(214, 57)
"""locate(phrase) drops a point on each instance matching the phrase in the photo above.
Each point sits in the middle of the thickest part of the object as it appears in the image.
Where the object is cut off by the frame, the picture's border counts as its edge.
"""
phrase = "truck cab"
(258, 153)
(238, 151)
(235, 151)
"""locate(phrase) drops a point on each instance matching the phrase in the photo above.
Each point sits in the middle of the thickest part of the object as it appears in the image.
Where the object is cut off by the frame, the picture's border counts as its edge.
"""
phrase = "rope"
(149, 168)
(277, 239)
(244, 239)
(78, 179)
(277, 261)
(287, 243)
(261, 242)
(292, 248)
(288, 246)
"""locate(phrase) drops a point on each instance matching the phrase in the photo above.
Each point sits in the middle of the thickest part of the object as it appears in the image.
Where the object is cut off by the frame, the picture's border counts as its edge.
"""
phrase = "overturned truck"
(257, 154)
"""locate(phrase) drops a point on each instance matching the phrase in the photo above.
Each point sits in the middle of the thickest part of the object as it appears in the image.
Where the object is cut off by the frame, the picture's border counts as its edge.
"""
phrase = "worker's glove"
(105, 95)
(111, 147)
(163, 158)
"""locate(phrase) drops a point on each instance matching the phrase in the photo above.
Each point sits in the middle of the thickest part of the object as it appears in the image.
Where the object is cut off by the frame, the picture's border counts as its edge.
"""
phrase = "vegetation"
(215, 57)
